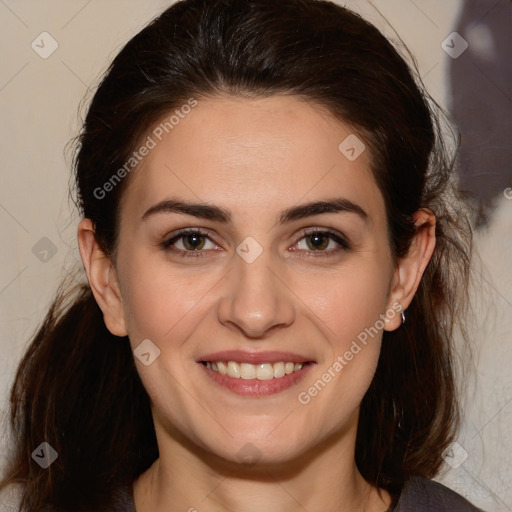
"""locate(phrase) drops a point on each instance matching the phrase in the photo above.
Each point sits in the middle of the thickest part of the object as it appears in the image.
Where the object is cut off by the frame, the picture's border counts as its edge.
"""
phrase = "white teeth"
(247, 371)
(263, 371)
(233, 369)
(279, 370)
(222, 368)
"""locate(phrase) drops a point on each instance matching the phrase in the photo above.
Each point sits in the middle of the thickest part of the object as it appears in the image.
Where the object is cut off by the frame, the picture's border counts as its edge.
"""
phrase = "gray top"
(419, 495)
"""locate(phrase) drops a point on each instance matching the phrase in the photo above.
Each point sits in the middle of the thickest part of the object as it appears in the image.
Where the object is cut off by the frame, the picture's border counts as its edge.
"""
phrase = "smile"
(263, 371)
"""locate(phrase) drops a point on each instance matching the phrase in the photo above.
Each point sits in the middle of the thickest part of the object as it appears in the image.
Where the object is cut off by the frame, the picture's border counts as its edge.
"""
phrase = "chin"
(253, 450)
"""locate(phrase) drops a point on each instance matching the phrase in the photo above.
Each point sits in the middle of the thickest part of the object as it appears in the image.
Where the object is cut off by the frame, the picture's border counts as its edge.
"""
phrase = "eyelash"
(336, 237)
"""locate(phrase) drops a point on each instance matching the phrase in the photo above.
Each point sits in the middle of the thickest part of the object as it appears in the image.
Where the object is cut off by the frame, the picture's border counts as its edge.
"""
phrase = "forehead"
(253, 154)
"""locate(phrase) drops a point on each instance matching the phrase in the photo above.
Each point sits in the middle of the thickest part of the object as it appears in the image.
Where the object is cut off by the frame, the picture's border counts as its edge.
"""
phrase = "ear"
(102, 277)
(410, 268)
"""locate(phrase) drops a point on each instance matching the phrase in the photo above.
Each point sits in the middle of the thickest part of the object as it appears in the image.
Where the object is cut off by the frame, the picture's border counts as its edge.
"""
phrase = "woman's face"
(256, 285)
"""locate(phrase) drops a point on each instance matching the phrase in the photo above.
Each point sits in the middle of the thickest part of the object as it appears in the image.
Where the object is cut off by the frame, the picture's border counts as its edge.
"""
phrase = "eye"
(317, 242)
(322, 242)
(189, 243)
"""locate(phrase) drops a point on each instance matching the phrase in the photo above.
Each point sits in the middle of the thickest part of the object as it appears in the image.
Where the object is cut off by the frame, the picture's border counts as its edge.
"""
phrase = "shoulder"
(423, 495)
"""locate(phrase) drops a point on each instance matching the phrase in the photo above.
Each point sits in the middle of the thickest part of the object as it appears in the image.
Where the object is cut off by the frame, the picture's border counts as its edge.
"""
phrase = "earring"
(402, 315)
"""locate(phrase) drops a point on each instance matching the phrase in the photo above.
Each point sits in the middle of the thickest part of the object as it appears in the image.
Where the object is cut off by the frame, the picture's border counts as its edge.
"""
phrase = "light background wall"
(39, 100)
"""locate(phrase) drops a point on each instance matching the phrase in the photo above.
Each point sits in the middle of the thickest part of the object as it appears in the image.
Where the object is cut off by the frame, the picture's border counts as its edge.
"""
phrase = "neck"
(186, 478)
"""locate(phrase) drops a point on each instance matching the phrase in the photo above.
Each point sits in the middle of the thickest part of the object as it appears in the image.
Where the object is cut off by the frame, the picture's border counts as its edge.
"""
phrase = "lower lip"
(256, 387)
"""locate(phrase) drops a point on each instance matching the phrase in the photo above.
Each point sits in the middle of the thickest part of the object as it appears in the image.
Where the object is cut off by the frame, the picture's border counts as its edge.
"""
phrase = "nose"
(255, 299)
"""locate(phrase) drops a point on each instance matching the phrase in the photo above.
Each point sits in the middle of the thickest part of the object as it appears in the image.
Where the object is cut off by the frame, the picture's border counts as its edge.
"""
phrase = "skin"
(254, 158)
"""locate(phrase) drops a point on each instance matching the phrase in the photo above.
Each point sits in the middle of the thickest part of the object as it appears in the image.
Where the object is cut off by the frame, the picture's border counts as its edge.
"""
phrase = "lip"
(256, 387)
(241, 356)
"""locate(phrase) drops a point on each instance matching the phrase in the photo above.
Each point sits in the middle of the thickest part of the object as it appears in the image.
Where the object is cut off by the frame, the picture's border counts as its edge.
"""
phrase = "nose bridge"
(255, 299)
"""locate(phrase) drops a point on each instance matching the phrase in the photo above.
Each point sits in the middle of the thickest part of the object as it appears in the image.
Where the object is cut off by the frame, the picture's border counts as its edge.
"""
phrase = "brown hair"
(88, 403)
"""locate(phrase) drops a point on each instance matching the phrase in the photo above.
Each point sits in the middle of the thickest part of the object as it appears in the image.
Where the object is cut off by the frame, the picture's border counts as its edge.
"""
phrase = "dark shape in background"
(481, 104)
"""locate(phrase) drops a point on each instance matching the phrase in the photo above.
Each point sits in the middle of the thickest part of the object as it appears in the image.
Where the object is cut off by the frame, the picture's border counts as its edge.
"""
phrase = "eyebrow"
(206, 211)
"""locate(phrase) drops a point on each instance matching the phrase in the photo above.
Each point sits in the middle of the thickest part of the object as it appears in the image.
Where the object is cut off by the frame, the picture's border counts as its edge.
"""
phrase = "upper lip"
(241, 356)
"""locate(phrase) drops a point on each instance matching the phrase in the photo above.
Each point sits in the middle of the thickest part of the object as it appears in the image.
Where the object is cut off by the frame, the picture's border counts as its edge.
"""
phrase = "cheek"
(348, 308)
(348, 303)
(350, 314)
(158, 303)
